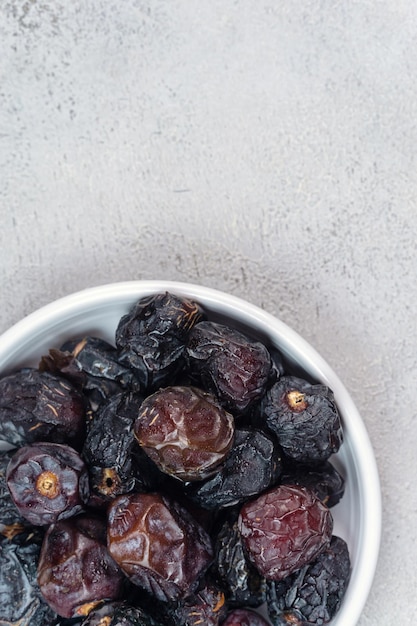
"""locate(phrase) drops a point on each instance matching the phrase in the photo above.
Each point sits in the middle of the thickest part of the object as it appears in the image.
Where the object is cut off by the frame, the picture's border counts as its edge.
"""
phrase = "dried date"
(283, 529)
(252, 465)
(38, 406)
(151, 338)
(305, 419)
(231, 365)
(75, 570)
(185, 431)
(110, 449)
(11, 522)
(21, 601)
(206, 606)
(92, 364)
(158, 545)
(119, 614)
(312, 595)
(47, 482)
(323, 479)
(243, 584)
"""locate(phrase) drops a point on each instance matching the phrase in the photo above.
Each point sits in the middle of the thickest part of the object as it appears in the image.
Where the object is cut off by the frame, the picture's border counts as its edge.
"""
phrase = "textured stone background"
(264, 148)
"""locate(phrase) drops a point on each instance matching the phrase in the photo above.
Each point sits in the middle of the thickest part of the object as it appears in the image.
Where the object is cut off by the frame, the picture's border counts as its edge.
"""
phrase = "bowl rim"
(370, 491)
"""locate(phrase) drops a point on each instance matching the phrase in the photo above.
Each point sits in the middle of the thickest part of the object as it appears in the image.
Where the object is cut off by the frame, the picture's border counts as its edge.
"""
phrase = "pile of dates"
(181, 476)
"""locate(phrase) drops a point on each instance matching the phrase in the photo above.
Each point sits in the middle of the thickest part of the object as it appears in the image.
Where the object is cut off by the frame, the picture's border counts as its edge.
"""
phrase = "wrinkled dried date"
(313, 594)
(304, 418)
(184, 431)
(322, 478)
(157, 544)
(91, 364)
(21, 602)
(75, 570)
(283, 529)
(151, 338)
(206, 606)
(11, 522)
(109, 447)
(252, 465)
(118, 614)
(243, 584)
(230, 364)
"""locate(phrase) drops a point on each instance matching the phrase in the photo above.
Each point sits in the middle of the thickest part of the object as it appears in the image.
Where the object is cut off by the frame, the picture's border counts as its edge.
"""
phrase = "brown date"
(185, 431)
(75, 570)
(158, 545)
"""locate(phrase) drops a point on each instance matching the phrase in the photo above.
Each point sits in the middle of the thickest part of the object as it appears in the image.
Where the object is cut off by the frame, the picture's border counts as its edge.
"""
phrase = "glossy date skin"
(75, 570)
(185, 431)
(158, 545)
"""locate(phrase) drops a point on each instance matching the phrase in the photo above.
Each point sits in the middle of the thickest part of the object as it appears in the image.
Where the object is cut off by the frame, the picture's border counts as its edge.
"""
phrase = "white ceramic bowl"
(97, 311)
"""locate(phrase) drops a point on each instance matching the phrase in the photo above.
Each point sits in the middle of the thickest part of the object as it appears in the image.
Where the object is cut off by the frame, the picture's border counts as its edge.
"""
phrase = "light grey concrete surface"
(264, 148)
